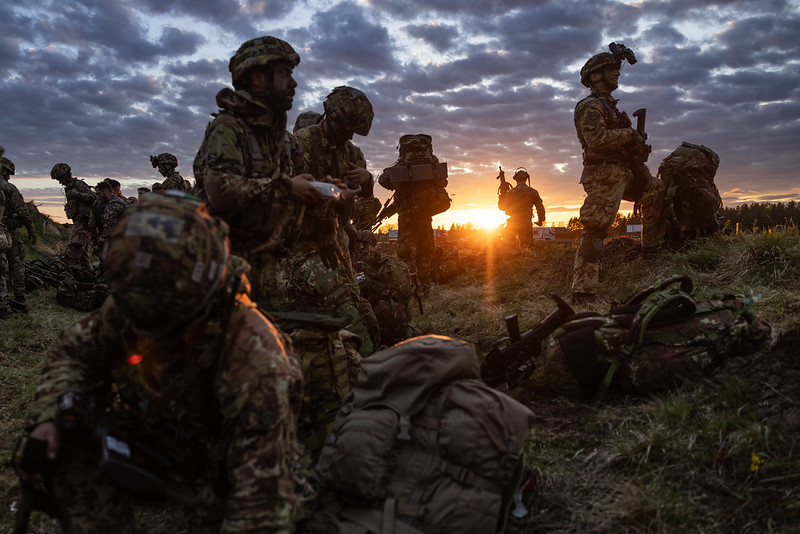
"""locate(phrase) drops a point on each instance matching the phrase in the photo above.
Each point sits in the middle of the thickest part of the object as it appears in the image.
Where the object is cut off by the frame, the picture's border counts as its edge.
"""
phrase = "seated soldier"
(179, 363)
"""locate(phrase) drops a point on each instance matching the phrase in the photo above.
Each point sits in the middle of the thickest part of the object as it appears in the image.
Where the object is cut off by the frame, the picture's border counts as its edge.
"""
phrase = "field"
(717, 455)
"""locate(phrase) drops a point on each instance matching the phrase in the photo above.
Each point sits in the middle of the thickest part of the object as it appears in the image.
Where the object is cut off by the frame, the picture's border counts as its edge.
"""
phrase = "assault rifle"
(505, 187)
(389, 209)
(511, 359)
(640, 177)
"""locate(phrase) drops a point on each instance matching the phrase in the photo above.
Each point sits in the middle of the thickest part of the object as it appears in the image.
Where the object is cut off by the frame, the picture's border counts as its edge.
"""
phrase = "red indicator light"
(134, 359)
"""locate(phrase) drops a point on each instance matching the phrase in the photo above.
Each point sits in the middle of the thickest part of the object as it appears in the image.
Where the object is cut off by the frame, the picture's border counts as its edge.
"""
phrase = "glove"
(31, 236)
(328, 245)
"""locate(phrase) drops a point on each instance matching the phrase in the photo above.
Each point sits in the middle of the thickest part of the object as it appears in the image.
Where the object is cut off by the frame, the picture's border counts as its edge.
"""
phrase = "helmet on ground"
(306, 118)
(260, 52)
(351, 108)
(164, 158)
(166, 260)
(521, 174)
(60, 170)
(7, 165)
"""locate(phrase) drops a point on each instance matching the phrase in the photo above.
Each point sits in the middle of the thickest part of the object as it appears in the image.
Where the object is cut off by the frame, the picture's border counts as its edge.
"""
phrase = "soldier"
(518, 203)
(166, 164)
(78, 207)
(179, 363)
(116, 190)
(610, 169)
(5, 244)
(306, 118)
(106, 212)
(247, 166)
(15, 216)
(418, 181)
(329, 151)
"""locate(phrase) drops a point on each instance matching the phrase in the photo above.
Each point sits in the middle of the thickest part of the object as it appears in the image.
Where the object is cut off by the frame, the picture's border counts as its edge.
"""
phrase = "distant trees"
(762, 215)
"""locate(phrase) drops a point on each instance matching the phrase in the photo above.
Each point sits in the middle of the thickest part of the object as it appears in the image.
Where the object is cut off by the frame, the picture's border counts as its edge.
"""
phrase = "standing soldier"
(166, 164)
(247, 165)
(178, 363)
(5, 244)
(80, 199)
(418, 181)
(106, 212)
(613, 166)
(329, 151)
(518, 203)
(15, 216)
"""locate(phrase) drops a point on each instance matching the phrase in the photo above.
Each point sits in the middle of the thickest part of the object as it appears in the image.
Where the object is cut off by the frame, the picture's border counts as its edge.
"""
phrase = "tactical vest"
(422, 445)
(614, 118)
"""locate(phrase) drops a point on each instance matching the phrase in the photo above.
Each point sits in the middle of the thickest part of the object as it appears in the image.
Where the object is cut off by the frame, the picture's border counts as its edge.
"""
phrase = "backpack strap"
(680, 305)
(661, 284)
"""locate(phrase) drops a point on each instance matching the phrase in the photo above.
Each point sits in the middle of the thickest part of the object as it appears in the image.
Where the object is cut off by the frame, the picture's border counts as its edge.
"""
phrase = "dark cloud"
(441, 37)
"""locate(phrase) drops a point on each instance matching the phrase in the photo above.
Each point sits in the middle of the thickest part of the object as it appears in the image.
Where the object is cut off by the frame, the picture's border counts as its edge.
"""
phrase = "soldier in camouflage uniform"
(610, 145)
(80, 199)
(306, 118)
(518, 202)
(329, 152)
(15, 216)
(166, 164)
(187, 367)
(5, 244)
(247, 166)
(106, 212)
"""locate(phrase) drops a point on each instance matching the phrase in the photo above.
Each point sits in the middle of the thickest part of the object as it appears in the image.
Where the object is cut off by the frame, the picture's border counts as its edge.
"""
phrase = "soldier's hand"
(46, 432)
(356, 175)
(368, 238)
(32, 236)
(350, 194)
(303, 191)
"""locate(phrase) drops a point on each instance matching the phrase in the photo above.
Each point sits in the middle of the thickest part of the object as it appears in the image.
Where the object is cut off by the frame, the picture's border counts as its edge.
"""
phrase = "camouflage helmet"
(166, 260)
(164, 158)
(521, 174)
(598, 62)
(260, 52)
(351, 108)
(306, 118)
(60, 170)
(7, 165)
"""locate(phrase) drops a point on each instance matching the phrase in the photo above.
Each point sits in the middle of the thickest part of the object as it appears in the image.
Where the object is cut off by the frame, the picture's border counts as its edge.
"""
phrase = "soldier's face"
(283, 86)
(612, 77)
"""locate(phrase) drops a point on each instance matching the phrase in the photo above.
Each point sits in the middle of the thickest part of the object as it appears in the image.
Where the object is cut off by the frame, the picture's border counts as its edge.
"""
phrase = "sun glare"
(478, 218)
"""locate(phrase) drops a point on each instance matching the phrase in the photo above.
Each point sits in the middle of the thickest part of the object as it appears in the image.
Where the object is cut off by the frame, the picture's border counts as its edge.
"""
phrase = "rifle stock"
(512, 359)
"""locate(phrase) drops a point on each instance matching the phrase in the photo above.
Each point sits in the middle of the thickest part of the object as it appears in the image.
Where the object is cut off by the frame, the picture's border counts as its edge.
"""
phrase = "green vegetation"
(718, 455)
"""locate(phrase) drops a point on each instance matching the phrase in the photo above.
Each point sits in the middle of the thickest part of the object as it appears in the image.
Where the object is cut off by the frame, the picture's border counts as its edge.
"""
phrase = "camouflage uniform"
(518, 204)
(5, 243)
(250, 190)
(188, 367)
(80, 199)
(609, 144)
(103, 217)
(16, 215)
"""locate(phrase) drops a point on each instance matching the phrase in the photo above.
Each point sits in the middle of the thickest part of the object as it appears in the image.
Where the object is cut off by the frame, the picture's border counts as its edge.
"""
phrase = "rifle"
(505, 187)
(511, 359)
(388, 210)
(641, 176)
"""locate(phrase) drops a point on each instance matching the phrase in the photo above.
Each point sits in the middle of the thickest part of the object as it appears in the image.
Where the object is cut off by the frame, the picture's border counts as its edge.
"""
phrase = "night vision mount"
(620, 52)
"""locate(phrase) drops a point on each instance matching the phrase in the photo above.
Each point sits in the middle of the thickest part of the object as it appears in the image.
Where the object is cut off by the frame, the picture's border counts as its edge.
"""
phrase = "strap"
(660, 284)
(382, 521)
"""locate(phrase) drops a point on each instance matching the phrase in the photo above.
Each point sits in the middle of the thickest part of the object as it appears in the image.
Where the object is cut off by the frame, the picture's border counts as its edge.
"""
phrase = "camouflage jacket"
(244, 165)
(238, 402)
(174, 181)
(15, 205)
(104, 216)
(605, 132)
(520, 200)
(80, 198)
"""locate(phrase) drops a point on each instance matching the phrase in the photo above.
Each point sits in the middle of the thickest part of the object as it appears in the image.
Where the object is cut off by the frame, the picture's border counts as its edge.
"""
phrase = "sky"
(104, 84)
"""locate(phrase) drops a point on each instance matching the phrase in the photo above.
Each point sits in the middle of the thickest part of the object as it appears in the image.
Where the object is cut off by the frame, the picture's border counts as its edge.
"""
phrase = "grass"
(721, 454)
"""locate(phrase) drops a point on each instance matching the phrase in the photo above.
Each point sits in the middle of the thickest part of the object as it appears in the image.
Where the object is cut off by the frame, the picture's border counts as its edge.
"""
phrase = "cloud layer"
(102, 84)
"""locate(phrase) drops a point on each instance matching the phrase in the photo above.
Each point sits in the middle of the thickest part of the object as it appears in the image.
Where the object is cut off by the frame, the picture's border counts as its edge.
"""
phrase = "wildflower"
(755, 462)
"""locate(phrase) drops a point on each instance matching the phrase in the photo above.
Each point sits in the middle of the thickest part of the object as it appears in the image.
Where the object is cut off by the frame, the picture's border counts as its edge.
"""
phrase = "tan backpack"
(422, 445)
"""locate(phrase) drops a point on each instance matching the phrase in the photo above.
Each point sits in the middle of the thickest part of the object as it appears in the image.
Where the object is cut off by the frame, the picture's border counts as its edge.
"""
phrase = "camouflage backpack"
(422, 445)
(688, 173)
(80, 295)
(659, 338)
(388, 288)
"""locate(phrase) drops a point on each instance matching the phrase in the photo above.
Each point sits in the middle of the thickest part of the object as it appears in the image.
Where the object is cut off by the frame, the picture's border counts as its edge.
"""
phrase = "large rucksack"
(422, 445)
(388, 287)
(657, 339)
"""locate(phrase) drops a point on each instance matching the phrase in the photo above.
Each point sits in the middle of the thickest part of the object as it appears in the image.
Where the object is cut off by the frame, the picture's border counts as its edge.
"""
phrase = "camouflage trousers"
(16, 265)
(3, 283)
(312, 286)
(77, 253)
(519, 227)
(415, 246)
(604, 186)
(330, 364)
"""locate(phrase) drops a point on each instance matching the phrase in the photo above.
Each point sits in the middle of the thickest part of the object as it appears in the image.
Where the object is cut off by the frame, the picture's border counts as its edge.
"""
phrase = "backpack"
(657, 339)
(80, 295)
(387, 286)
(688, 173)
(422, 445)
